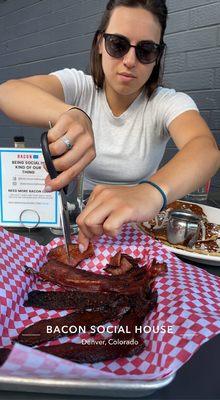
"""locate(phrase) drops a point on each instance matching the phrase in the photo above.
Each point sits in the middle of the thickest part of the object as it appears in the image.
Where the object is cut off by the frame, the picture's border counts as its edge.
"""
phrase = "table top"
(197, 379)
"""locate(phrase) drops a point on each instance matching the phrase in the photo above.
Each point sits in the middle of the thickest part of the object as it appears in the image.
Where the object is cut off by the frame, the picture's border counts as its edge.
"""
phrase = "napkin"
(187, 314)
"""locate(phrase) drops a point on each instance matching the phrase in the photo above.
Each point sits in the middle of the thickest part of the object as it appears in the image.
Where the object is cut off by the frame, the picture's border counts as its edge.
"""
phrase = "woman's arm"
(198, 159)
(36, 101)
(196, 162)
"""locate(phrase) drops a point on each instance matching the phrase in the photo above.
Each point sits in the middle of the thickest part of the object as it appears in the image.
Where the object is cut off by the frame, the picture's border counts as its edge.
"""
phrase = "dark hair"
(157, 8)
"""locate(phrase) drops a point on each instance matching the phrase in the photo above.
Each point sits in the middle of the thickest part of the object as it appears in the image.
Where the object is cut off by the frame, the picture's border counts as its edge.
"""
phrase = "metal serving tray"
(85, 387)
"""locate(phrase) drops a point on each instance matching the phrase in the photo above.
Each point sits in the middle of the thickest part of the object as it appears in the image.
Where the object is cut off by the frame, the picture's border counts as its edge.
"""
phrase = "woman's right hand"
(111, 206)
(77, 128)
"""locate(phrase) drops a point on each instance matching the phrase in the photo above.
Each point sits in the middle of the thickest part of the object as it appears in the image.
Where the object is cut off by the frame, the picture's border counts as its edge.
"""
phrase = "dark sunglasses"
(146, 51)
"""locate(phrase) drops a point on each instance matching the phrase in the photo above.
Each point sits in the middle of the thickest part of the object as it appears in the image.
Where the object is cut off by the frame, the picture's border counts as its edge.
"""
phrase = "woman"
(132, 120)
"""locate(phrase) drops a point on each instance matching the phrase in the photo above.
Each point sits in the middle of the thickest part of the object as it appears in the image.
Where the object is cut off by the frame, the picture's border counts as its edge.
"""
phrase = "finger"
(82, 145)
(105, 218)
(83, 241)
(91, 231)
(47, 180)
(113, 224)
(93, 202)
(59, 129)
(96, 211)
(96, 230)
(83, 229)
(65, 177)
(84, 225)
(91, 220)
(59, 146)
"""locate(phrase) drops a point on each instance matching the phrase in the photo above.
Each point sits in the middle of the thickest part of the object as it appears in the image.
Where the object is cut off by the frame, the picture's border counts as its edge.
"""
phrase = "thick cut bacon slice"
(119, 345)
(78, 279)
(38, 332)
(59, 254)
(71, 299)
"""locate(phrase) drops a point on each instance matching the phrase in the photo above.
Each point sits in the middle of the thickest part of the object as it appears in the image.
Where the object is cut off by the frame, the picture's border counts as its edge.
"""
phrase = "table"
(199, 378)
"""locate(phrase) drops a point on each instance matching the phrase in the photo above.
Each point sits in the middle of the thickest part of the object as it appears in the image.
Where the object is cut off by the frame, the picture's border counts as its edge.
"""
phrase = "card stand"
(27, 213)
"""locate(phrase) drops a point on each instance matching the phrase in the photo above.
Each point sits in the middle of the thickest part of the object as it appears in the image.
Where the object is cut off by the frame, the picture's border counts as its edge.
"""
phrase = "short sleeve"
(170, 104)
(76, 84)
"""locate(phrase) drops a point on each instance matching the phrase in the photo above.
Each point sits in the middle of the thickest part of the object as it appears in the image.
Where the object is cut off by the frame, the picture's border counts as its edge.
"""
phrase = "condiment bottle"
(19, 142)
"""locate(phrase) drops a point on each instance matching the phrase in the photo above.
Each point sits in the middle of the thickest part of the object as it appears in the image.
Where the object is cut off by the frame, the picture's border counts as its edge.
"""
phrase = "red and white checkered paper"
(189, 301)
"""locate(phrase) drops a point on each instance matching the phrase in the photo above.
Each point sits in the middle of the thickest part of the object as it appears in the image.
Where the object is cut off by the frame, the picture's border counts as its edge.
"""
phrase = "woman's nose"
(130, 58)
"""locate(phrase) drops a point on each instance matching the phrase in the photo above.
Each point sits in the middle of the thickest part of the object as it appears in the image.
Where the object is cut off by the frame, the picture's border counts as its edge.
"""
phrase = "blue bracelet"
(161, 192)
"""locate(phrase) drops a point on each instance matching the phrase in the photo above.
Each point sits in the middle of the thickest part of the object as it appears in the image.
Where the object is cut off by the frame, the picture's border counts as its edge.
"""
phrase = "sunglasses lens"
(147, 52)
(116, 46)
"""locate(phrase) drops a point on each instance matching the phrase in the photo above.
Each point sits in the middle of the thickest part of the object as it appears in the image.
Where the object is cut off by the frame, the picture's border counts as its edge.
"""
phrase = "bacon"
(124, 267)
(115, 260)
(121, 263)
(80, 302)
(72, 299)
(38, 332)
(4, 353)
(106, 350)
(78, 279)
(59, 254)
(133, 261)
(127, 297)
(156, 269)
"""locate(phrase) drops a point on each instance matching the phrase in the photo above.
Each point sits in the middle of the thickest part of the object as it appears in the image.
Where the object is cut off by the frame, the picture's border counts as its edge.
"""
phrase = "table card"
(22, 200)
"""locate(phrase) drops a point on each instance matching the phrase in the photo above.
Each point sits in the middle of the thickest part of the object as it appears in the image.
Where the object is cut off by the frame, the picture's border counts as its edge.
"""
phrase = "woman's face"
(126, 76)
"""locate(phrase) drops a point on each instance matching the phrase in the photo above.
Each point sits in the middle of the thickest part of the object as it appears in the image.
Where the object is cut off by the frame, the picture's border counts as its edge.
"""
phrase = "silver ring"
(67, 142)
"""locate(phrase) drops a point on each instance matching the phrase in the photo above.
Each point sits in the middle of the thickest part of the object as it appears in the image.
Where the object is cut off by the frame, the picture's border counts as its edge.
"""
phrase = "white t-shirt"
(129, 148)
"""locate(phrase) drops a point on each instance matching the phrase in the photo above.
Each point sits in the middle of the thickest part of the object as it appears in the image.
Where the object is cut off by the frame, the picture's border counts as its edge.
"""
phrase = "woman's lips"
(126, 77)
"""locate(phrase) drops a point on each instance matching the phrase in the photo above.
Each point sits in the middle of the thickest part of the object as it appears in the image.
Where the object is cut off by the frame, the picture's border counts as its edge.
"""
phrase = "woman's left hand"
(109, 207)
